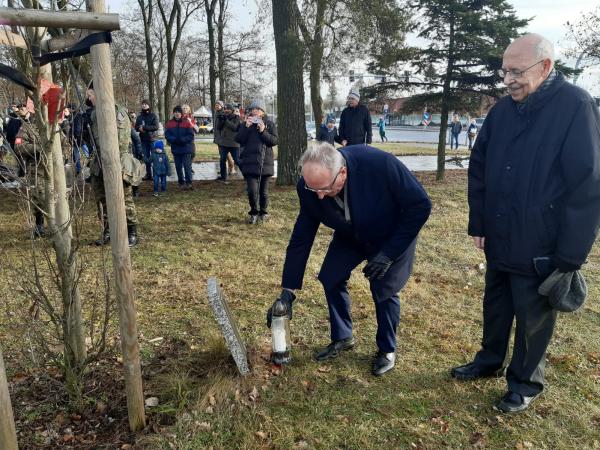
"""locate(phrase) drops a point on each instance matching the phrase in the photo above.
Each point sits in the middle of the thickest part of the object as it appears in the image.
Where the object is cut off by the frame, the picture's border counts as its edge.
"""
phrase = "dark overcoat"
(534, 179)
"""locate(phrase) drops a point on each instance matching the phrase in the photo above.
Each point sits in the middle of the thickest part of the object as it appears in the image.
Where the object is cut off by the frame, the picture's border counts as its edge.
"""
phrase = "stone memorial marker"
(228, 326)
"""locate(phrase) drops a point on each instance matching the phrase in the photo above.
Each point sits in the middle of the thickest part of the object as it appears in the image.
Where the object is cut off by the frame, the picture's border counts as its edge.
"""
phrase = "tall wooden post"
(113, 186)
(8, 434)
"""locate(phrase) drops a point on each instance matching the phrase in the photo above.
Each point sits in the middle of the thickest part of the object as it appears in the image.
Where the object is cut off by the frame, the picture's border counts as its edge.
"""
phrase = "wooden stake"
(8, 434)
(59, 19)
(113, 186)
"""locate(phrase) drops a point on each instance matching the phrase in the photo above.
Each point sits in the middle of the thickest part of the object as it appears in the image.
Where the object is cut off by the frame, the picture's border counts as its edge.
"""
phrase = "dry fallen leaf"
(204, 426)
(253, 396)
(261, 434)
(324, 369)
(212, 400)
(152, 401)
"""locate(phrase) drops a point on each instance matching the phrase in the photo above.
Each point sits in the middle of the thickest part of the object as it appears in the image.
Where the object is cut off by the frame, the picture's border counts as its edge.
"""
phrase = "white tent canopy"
(202, 112)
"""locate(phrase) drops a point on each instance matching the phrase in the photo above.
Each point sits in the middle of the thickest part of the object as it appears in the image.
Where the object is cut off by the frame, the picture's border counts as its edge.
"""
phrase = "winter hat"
(566, 291)
(255, 105)
(228, 106)
(159, 144)
(354, 94)
(178, 109)
(219, 102)
(330, 119)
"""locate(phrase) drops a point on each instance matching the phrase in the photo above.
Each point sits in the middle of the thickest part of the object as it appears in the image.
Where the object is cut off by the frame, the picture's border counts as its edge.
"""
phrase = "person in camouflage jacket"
(124, 137)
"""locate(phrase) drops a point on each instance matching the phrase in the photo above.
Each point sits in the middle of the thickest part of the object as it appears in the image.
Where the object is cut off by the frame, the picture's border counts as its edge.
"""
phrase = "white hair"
(323, 154)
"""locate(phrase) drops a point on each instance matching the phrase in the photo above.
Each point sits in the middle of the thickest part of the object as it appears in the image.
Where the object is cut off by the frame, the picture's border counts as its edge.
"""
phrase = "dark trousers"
(147, 147)
(258, 195)
(160, 180)
(235, 154)
(453, 140)
(183, 167)
(471, 139)
(508, 296)
(77, 159)
(341, 258)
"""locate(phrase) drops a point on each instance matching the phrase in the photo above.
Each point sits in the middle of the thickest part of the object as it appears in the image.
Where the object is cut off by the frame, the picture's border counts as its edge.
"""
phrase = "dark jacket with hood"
(534, 178)
(150, 122)
(355, 125)
(324, 134)
(258, 149)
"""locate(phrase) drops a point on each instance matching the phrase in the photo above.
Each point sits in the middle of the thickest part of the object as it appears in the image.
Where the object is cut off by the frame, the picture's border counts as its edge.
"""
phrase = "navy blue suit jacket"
(387, 205)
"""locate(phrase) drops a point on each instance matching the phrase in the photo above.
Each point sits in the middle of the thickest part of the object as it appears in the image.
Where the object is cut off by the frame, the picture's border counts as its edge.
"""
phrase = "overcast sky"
(549, 19)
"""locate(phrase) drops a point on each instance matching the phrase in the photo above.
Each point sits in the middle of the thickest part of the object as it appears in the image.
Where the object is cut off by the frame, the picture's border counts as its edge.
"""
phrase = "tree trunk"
(316, 61)
(113, 185)
(290, 91)
(441, 157)
(220, 48)
(147, 20)
(8, 434)
(209, 5)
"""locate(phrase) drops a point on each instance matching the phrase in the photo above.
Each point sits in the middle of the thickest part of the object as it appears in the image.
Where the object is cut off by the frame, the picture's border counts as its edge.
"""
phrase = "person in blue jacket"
(534, 196)
(376, 207)
(328, 131)
(179, 133)
(161, 167)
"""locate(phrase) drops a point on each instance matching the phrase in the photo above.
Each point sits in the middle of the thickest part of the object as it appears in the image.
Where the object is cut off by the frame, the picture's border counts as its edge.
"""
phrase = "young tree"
(465, 43)
(290, 90)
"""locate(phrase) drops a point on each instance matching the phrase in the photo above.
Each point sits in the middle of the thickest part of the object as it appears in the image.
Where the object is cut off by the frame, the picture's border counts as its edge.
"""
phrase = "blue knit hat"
(159, 144)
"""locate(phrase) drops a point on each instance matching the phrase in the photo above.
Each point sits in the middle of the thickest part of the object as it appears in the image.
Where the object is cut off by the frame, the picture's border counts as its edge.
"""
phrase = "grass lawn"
(187, 237)
(207, 151)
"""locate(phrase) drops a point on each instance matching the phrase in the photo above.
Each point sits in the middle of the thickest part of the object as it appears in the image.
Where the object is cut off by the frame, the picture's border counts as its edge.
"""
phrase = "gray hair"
(325, 155)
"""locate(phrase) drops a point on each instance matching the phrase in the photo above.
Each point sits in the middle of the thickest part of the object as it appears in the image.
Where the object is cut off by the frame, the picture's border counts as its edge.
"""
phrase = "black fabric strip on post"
(15, 76)
(79, 49)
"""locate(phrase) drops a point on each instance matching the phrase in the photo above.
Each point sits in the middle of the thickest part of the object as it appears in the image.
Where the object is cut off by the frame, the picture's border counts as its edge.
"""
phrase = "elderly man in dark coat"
(534, 196)
(355, 122)
(376, 207)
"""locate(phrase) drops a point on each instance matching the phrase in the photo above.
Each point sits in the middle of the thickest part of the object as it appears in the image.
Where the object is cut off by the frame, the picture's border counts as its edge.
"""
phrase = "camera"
(255, 119)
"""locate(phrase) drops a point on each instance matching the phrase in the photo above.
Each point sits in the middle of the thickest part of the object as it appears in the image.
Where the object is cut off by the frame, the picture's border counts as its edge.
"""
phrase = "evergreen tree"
(465, 43)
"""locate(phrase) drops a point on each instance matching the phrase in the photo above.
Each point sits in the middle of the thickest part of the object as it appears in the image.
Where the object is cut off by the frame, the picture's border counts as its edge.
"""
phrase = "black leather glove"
(564, 266)
(377, 267)
(286, 297)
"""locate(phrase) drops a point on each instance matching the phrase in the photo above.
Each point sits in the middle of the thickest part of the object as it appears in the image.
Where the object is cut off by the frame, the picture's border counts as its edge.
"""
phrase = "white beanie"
(354, 94)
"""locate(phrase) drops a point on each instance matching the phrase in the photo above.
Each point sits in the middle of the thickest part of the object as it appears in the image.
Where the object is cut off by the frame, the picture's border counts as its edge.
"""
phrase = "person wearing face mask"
(257, 135)
(534, 200)
(376, 208)
(147, 124)
(355, 122)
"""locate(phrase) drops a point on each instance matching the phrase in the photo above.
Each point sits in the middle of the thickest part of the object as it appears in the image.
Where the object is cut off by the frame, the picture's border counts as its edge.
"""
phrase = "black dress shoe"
(334, 349)
(383, 362)
(473, 371)
(513, 402)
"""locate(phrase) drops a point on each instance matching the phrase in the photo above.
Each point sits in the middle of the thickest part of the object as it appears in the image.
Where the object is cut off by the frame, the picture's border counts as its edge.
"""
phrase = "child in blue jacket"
(161, 167)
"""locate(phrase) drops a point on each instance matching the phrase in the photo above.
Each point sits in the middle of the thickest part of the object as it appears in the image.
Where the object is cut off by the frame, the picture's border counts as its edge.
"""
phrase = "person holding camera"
(258, 136)
(228, 125)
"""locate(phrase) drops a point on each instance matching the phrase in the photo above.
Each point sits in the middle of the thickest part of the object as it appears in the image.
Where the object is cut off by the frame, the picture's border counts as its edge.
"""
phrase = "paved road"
(396, 134)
